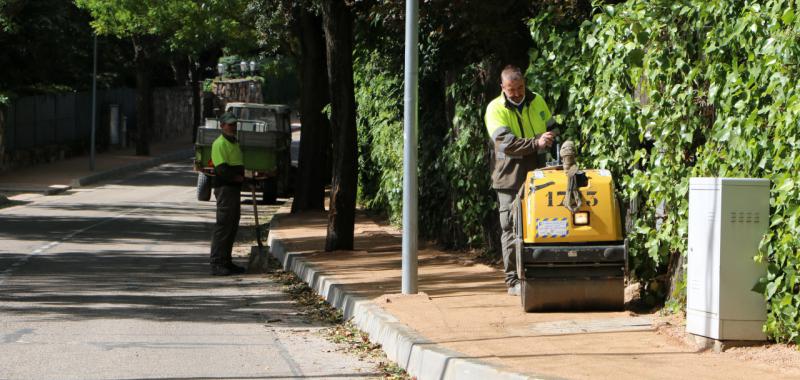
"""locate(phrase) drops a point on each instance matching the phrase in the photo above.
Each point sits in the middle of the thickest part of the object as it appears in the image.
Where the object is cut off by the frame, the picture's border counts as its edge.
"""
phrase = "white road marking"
(4, 275)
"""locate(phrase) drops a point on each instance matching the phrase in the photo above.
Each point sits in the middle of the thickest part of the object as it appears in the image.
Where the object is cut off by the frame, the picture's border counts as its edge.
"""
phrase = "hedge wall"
(656, 91)
(455, 199)
(659, 91)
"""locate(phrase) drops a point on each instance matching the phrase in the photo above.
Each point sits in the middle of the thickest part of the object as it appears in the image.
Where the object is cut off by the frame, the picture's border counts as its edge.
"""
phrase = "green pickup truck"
(264, 134)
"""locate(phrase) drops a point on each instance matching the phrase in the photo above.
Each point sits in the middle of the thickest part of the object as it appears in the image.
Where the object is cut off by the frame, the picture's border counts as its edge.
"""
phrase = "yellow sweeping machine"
(571, 253)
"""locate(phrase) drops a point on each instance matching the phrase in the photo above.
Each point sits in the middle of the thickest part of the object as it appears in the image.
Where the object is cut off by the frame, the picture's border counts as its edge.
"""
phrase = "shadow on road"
(118, 260)
(140, 225)
(163, 286)
(175, 174)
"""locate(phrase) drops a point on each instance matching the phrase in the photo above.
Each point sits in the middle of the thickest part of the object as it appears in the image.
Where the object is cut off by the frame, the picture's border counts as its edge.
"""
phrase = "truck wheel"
(203, 187)
(270, 190)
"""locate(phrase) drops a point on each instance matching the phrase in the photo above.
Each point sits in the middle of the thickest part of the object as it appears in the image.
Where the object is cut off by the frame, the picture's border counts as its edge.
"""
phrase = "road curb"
(97, 177)
(24, 188)
(419, 356)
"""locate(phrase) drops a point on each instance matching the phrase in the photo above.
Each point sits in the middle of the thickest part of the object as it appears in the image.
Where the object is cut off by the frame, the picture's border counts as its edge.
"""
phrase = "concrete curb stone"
(419, 356)
(44, 190)
(170, 157)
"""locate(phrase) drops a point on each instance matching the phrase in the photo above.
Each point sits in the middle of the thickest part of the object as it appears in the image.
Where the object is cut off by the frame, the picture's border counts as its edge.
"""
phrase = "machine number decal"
(592, 195)
(551, 227)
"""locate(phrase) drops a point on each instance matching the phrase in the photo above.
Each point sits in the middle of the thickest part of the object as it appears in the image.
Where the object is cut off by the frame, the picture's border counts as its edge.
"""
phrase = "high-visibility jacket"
(227, 159)
(513, 132)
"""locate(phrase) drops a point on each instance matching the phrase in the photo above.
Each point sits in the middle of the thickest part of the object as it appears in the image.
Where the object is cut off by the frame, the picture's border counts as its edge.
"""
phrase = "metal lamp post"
(410, 189)
(220, 70)
(252, 67)
(94, 106)
(243, 67)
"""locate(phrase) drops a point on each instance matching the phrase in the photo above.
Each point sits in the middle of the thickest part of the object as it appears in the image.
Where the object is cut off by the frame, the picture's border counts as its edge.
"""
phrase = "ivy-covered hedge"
(455, 195)
(656, 91)
(659, 91)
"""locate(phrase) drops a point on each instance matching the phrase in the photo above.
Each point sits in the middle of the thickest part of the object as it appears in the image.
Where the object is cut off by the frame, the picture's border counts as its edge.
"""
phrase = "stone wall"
(172, 117)
(10, 159)
(38, 155)
(2, 135)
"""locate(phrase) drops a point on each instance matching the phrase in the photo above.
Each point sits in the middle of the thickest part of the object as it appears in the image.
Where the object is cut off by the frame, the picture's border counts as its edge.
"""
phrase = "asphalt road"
(111, 282)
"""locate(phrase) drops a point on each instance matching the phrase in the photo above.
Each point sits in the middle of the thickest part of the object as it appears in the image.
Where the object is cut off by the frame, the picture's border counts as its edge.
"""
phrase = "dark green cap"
(228, 118)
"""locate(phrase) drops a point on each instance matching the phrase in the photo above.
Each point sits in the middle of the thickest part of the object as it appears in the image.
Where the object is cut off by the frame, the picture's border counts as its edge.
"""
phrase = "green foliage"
(33, 31)
(660, 91)
(463, 163)
(460, 42)
(208, 85)
(8, 9)
(281, 82)
(677, 300)
(455, 193)
(185, 25)
(275, 22)
(379, 95)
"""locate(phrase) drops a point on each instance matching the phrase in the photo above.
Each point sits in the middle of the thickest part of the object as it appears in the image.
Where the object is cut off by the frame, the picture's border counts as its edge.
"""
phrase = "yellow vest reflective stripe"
(531, 121)
(226, 152)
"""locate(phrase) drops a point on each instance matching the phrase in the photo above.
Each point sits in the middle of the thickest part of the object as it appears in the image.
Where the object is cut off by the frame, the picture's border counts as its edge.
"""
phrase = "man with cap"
(229, 169)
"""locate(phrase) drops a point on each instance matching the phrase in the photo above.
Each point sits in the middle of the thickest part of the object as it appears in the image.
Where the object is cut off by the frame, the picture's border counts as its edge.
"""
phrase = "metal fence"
(64, 118)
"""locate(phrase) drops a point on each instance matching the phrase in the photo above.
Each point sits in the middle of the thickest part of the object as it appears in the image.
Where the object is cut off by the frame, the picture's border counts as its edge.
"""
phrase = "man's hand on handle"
(545, 140)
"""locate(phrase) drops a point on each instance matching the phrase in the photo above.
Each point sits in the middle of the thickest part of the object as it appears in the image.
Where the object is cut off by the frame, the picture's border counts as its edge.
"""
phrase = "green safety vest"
(532, 121)
(226, 152)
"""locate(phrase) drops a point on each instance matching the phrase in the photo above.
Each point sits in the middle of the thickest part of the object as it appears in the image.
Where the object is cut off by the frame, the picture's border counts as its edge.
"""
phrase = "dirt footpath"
(464, 307)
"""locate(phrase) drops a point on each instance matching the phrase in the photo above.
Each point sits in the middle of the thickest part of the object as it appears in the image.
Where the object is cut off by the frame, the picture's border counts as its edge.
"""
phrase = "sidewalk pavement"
(51, 178)
(463, 325)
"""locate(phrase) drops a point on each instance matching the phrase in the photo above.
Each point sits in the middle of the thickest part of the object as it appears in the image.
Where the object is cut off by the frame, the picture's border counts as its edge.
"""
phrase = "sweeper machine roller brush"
(571, 254)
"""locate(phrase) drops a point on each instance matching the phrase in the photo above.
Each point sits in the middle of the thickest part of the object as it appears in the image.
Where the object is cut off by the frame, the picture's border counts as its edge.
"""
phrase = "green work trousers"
(506, 200)
(228, 214)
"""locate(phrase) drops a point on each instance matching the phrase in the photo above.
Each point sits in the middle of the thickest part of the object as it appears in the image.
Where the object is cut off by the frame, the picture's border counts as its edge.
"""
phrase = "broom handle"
(255, 212)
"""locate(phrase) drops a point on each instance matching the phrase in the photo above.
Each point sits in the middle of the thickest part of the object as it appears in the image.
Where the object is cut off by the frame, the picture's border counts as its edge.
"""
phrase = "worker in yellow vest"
(517, 122)
(229, 176)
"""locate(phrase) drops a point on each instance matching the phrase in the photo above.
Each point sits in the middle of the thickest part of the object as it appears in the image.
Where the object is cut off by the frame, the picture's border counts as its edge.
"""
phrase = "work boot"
(514, 290)
(220, 270)
(235, 269)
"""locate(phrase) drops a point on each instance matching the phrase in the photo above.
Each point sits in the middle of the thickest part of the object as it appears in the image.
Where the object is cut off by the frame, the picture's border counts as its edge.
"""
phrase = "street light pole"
(410, 189)
(94, 105)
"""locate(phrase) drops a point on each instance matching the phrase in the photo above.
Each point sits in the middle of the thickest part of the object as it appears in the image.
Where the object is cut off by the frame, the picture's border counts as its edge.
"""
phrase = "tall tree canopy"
(32, 32)
(179, 27)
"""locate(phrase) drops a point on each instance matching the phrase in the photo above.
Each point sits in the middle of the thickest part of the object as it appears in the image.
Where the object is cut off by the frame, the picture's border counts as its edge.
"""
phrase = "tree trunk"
(208, 60)
(338, 25)
(197, 108)
(491, 223)
(144, 93)
(181, 66)
(2, 135)
(314, 168)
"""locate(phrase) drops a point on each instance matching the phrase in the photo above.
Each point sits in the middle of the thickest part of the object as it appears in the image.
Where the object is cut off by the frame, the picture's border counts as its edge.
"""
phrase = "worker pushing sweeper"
(517, 122)
(562, 241)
